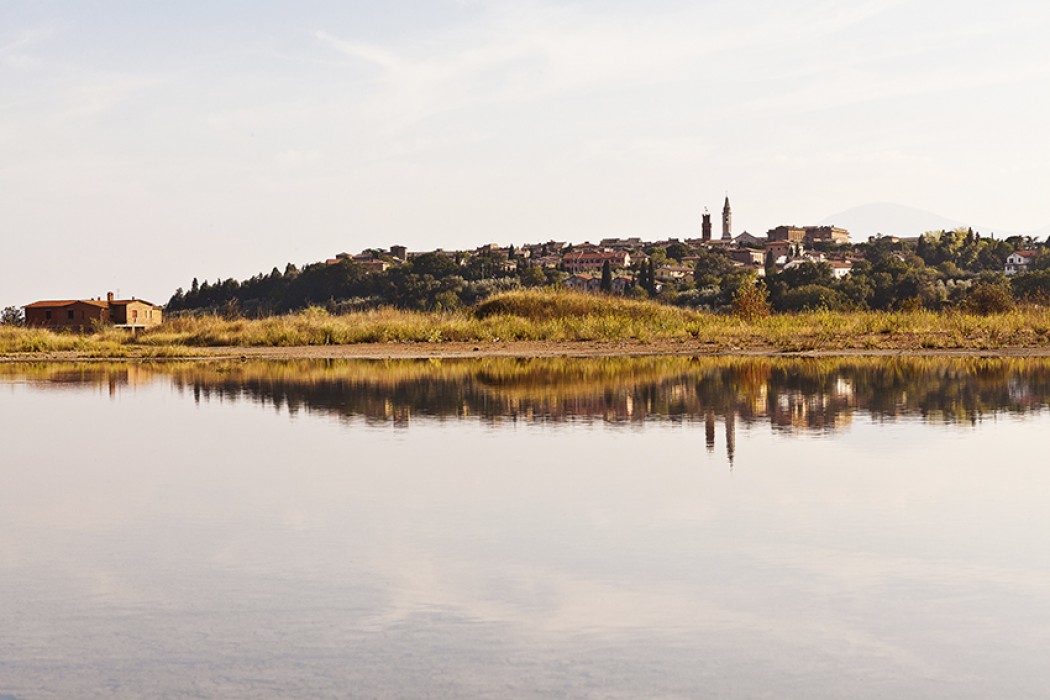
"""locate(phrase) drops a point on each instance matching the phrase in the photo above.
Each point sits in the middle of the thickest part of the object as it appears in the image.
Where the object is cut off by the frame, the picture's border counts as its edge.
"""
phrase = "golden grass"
(559, 316)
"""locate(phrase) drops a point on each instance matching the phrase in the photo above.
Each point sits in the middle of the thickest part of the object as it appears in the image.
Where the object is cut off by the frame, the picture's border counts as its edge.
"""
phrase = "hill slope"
(889, 219)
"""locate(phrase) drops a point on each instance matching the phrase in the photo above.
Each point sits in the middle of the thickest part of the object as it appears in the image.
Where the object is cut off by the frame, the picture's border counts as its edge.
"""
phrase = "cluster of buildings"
(784, 246)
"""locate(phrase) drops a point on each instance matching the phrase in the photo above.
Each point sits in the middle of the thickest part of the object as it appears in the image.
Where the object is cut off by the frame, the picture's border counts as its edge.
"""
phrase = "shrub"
(751, 302)
(11, 316)
(811, 297)
(989, 298)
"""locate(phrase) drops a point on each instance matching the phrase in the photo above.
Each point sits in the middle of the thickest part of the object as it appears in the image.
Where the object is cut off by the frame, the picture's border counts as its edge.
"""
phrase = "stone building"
(809, 234)
(85, 314)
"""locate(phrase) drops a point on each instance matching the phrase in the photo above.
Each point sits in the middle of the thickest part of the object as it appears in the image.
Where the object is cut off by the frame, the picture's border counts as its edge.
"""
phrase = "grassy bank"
(561, 317)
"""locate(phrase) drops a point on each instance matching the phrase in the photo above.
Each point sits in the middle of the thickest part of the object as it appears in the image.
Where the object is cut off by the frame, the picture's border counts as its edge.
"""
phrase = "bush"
(751, 302)
(1032, 286)
(989, 298)
(11, 316)
(811, 297)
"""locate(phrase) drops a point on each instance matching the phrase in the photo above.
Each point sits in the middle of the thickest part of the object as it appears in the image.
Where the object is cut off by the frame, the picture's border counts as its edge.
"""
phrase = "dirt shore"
(522, 349)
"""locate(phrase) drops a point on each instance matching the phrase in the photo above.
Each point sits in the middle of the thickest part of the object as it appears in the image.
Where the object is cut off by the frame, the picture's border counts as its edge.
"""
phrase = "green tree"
(677, 251)
(533, 276)
(751, 302)
(606, 283)
(711, 267)
(11, 316)
(811, 297)
(434, 264)
(989, 297)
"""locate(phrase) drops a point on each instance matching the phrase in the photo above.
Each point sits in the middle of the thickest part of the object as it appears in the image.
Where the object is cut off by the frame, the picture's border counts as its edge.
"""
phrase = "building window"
(69, 314)
(47, 314)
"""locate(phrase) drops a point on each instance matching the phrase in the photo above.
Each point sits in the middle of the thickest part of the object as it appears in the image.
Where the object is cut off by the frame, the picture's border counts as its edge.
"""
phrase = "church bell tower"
(727, 221)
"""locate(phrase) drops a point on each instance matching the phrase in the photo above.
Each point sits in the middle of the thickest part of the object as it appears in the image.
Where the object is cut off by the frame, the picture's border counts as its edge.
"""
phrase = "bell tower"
(727, 221)
(705, 227)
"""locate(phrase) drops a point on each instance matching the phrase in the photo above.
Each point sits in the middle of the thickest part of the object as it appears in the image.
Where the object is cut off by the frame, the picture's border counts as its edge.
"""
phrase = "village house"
(374, 265)
(840, 268)
(782, 251)
(809, 234)
(621, 284)
(746, 240)
(1019, 261)
(753, 267)
(584, 282)
(629, 243)
(591, 258)
(367, 261)
(748, 255)
(672, 273)
(85, 314)
(548, 261)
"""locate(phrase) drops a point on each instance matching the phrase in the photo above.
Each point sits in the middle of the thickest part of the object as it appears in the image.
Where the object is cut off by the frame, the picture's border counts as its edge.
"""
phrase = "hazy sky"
(145, 143)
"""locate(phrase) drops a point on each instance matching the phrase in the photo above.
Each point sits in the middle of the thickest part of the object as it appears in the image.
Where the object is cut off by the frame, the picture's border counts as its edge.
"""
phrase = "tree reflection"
(791, 395)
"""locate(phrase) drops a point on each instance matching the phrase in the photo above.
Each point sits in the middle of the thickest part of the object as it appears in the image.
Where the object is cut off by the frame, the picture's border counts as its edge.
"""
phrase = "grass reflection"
(791, 394)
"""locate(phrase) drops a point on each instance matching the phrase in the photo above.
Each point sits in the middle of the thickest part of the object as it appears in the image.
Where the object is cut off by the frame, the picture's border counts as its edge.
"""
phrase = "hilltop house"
(1019, 261)
(587, 258)
(583, 282)
(84, 314)
(809, 234)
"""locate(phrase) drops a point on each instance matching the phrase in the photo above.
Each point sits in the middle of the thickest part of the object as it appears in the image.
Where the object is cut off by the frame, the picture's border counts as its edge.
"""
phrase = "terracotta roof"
(125, 302)
(1027, 253)
(65, 302)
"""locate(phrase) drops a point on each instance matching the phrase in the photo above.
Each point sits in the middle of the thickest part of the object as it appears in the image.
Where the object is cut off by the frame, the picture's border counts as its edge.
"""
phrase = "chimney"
(109, 297)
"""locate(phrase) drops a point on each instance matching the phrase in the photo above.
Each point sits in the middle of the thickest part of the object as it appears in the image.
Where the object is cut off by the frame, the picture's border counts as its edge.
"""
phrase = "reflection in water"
(154, 546)
(792, 395)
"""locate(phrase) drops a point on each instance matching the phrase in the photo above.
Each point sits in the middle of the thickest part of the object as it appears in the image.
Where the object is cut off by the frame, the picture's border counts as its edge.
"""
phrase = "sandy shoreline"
(519, 349)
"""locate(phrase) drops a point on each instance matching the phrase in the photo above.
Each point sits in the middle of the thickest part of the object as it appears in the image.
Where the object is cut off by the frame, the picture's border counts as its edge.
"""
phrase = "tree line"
(943, 269)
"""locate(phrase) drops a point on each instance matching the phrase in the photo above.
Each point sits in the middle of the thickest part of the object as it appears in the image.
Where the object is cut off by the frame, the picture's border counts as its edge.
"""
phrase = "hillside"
(899, 220)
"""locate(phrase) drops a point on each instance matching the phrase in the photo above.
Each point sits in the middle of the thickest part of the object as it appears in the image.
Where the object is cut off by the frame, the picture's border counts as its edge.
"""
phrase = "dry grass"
(560, 317)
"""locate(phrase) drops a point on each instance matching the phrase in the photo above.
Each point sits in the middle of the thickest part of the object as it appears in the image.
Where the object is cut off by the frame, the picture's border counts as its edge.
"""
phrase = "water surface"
(571, 528)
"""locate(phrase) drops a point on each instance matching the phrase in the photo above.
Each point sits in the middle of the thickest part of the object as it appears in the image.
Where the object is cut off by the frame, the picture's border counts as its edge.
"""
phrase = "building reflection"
(791, 396)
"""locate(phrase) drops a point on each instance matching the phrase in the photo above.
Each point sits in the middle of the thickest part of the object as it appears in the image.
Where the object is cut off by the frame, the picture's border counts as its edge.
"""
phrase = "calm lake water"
(547, 528)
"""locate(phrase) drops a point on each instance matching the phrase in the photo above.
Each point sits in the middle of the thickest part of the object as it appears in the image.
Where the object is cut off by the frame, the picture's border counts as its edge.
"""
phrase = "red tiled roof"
(65, 302)
(125, 302)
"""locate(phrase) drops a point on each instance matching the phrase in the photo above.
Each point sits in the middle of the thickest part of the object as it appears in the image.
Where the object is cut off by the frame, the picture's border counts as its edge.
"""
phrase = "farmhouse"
(1018, 261)
(84, 314)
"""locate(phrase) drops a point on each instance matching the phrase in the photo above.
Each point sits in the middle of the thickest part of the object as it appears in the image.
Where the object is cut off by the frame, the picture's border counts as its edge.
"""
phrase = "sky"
(145, 143)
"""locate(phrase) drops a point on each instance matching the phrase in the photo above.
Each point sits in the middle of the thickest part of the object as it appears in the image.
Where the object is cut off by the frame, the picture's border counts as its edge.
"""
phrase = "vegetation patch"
(563, 316)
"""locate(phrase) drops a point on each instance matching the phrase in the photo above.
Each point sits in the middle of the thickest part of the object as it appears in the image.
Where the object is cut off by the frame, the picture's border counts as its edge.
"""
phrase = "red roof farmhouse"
(82, 314)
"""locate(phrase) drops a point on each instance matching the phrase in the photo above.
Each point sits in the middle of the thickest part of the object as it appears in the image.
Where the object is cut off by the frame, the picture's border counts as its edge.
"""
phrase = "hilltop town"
(801, 267)
(620, 265)
(795, 268)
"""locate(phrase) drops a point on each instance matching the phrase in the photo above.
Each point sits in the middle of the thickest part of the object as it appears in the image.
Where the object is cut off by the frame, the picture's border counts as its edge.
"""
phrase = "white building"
(1019, 261)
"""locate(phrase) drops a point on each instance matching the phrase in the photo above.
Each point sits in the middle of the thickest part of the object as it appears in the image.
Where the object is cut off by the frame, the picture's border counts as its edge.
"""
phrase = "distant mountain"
(898, 220)
(889, 219)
